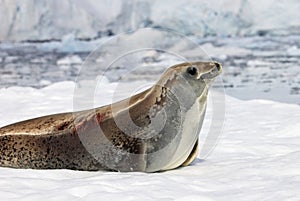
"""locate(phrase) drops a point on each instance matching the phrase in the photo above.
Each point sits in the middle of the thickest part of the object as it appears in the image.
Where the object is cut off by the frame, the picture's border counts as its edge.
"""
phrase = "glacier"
(51, 20)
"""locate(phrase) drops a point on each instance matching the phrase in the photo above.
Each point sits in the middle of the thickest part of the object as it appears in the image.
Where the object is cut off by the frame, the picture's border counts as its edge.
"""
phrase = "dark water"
(254, 67)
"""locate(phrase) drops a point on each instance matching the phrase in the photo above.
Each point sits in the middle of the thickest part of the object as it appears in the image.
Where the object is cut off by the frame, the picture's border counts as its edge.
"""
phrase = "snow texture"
(52, 20)
(257, 157)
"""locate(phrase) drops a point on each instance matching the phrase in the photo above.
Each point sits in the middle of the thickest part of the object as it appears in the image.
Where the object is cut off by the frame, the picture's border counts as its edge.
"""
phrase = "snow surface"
(257, 157)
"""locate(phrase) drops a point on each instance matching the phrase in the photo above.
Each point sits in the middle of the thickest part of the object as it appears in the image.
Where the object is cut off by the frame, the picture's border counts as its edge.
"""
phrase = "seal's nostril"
(218, 66)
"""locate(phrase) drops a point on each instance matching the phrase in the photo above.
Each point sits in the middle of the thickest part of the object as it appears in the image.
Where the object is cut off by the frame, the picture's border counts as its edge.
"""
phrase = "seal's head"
(192, 78)
(195, 72)
(203, 71)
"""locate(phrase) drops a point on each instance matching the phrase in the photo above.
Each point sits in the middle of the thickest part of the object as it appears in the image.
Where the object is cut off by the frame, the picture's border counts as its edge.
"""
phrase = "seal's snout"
(218, 66)
(213, 71)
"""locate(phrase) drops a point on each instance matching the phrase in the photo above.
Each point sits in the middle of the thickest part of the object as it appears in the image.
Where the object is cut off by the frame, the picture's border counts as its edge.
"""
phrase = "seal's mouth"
(214, 72)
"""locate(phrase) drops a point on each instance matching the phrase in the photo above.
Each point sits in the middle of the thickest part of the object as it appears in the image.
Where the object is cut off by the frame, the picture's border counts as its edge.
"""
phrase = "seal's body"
(152, 131)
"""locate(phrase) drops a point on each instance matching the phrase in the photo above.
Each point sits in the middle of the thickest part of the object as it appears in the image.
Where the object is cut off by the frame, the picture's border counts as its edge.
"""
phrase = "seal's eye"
(192, 71)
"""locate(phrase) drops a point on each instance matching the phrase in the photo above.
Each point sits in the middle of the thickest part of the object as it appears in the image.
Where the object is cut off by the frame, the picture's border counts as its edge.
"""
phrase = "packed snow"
(256, 158)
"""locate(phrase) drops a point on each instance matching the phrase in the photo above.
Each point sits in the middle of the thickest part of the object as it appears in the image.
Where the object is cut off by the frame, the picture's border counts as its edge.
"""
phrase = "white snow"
(294, 51)
(257, 157)
(68, 60)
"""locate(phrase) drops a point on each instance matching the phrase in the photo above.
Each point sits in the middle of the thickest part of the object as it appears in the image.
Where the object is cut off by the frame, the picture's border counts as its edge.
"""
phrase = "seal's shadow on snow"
(197, 161)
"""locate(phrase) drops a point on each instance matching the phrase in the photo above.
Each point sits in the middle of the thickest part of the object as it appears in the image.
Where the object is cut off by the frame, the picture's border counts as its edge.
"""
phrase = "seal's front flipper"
(192, 155)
